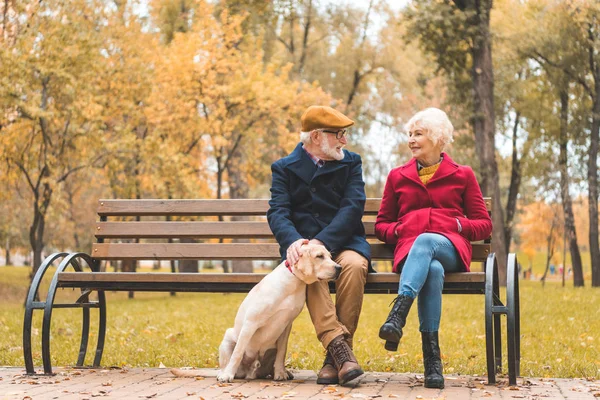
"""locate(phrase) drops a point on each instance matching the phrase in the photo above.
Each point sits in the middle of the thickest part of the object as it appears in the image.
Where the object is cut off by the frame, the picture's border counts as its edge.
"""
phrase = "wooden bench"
(156, 236)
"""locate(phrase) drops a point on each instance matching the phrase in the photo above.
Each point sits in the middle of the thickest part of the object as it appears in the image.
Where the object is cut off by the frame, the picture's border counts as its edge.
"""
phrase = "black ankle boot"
(432, 360)
(391, 330)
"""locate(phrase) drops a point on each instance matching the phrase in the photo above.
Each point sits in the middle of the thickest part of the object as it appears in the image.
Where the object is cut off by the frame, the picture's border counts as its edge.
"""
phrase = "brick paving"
(159, 383)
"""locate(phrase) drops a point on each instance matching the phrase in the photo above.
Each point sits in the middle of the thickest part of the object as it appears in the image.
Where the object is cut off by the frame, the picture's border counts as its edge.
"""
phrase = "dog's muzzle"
(338, 271)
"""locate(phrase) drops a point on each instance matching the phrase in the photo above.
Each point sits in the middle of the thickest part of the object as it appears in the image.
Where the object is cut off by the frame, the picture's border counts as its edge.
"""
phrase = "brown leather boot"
(328, 375)
(345, 362)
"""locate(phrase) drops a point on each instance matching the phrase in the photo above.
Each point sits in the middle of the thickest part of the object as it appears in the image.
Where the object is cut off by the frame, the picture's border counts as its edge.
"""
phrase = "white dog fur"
(256, 345)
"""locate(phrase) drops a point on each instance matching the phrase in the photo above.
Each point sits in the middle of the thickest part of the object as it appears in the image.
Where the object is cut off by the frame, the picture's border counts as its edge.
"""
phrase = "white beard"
(333, 152)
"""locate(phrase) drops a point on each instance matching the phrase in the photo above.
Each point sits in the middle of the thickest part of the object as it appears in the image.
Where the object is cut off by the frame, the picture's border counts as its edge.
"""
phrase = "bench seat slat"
(458, 283)
(204, 207)
(381, 277)
(223, 251)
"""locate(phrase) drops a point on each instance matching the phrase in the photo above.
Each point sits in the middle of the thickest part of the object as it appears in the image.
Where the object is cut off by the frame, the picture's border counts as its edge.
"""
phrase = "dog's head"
(315, 264)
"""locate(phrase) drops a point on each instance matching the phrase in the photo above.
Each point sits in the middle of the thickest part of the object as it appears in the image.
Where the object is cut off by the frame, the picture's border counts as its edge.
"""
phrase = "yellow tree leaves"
(212, 99)
(541, 228)
(49, 102)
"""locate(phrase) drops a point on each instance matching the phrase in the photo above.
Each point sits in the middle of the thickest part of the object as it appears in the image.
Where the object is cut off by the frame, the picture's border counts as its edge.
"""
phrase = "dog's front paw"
(283, 375)
(224, 376)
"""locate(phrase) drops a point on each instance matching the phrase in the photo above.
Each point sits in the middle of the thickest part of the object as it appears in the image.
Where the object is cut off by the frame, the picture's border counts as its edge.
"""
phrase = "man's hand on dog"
(293, 252)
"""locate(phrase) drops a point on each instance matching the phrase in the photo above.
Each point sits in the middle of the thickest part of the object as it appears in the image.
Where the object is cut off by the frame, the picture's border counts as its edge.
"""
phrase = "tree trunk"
(515, 184)
(238, 189)
(564, 191)
(7, 249)
(38, 225)
(549, 249)
(484, 127)
(308, 18)
(36, 234)
(593, 188)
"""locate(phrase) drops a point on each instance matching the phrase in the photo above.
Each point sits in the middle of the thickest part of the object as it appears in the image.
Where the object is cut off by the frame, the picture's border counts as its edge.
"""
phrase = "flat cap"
(319, 117)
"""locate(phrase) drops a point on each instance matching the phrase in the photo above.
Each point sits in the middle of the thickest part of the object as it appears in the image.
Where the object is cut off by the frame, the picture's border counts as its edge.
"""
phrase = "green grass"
(560, 331)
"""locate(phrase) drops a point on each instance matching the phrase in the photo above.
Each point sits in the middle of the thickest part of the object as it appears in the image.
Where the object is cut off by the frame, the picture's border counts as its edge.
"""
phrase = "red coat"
(409, 208)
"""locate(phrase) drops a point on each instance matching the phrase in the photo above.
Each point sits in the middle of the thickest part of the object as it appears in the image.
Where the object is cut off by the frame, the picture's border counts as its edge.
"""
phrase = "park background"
(196, 99)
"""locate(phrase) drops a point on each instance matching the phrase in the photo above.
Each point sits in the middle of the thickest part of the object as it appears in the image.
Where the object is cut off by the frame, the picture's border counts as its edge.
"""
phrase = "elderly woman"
(431, 210)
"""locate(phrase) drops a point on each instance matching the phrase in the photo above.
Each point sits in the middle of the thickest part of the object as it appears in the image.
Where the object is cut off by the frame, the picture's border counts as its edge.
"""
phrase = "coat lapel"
(301, 165)
(332, 166)
(446, 168)
(409, 170)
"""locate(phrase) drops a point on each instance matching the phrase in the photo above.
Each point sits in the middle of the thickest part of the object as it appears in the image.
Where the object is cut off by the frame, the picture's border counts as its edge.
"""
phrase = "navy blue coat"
(324, 203)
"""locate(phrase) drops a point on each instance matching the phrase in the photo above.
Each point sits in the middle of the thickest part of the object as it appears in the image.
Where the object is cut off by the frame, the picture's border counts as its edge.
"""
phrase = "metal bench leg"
(491, 266)
(85, 334)
(497, 322)
(30, 305)
(513, 328)
(70, 260)
(101, 328)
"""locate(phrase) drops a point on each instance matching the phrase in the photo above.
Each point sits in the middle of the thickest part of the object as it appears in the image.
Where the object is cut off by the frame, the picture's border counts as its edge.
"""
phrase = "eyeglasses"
(338, 134)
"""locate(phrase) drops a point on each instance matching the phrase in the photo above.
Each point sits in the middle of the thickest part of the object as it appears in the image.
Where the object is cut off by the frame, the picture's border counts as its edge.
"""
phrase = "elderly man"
(318, 196)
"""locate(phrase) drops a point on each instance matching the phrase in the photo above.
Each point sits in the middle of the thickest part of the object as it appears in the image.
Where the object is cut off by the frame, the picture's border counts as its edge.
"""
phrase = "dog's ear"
(304, 264)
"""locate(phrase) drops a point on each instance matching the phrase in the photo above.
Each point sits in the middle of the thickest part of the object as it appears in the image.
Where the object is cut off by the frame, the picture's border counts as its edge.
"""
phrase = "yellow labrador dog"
(256, 345)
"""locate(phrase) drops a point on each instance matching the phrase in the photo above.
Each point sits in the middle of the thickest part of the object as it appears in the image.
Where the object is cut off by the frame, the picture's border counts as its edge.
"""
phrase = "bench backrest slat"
(223, 251)
(110, 232)
(204, 207)
(194, 229)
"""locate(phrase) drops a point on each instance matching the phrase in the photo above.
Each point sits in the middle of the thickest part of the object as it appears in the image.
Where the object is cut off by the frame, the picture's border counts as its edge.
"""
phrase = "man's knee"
(353, 263)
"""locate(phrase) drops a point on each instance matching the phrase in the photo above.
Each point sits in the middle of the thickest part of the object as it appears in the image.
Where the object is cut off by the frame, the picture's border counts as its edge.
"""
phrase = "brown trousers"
(331, 320)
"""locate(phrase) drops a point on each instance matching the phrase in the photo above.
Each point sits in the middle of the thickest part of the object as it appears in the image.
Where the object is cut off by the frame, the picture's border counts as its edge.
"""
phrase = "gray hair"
(305, 136)
(435, 123)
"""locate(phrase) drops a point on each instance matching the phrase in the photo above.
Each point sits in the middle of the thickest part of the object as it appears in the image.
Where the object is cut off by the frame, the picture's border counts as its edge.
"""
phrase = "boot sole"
(390, 336)
(391, 346)
(324, 381)
(351, 375)
(434, 385)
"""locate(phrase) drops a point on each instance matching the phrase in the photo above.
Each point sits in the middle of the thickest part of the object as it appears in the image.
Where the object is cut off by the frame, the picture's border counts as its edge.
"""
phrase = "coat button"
(316, 215)
(313, 189)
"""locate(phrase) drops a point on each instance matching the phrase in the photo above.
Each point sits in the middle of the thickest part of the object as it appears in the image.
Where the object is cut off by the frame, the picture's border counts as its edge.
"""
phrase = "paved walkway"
(159, 383)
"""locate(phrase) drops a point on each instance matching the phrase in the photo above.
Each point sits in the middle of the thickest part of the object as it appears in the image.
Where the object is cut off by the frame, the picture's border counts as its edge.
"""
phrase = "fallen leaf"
(199, 378)
(149, 396)
(161, 365)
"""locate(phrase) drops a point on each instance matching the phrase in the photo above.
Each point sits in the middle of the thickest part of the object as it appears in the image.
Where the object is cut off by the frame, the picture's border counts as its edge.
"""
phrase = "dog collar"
(289, 267)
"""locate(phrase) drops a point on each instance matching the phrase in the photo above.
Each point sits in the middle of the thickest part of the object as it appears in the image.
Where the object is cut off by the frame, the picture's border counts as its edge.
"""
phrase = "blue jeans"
(430, 256)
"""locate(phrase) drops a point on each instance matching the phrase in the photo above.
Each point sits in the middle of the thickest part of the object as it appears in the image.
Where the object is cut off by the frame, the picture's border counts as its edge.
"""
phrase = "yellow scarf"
(426, 173)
